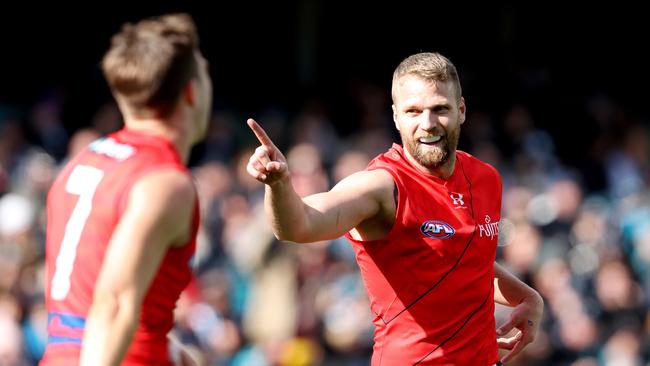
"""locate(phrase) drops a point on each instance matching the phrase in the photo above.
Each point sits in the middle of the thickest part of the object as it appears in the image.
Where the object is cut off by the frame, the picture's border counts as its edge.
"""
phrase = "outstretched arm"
(328, 215)
(157, 216)
(527, 315)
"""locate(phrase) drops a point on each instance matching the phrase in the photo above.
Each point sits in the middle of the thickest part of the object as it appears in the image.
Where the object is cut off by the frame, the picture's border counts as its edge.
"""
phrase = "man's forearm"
(108, 334)
(509, 290)
(286, 210)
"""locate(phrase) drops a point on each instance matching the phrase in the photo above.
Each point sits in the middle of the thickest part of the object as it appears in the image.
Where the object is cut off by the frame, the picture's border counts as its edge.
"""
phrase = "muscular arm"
(509, 290)
(157, 216)
(359, 197)
(363, 196)
(526, 316)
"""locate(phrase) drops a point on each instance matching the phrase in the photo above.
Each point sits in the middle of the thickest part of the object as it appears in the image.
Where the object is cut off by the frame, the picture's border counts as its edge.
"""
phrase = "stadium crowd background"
(557, 101)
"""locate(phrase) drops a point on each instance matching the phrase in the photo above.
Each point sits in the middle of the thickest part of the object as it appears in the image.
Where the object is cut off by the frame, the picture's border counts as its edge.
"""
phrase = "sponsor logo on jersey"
(112, 149)
(437, 229)
(489, 229)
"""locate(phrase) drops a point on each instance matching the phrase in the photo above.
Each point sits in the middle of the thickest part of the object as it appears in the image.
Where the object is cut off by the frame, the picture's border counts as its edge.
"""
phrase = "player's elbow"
(282, 230)
(287, 236)
(292, 235)
(109, 306)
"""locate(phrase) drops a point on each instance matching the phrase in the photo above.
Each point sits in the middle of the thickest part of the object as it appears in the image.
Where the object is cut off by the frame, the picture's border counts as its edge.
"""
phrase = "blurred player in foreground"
(423, 220)
(123, 214)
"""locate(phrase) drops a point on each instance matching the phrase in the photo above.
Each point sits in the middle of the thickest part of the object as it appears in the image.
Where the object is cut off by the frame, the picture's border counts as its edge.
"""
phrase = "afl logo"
(437, 229)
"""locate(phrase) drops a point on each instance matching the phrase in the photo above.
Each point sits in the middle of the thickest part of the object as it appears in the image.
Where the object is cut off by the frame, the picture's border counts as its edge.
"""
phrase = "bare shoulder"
(379, 186)
(165, 189)
(376, 185)
(369, 181)
(163, 200)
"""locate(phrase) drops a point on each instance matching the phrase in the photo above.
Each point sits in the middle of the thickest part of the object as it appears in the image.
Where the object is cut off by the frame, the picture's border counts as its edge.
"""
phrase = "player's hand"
(267, 164)
(526, 318)
(187, 355)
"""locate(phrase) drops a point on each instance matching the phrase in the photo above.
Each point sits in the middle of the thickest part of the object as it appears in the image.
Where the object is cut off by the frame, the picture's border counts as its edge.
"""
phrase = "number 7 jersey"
(84, 205)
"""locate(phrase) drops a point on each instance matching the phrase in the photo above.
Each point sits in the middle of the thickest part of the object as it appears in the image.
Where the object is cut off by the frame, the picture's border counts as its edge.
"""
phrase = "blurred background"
(557, 102)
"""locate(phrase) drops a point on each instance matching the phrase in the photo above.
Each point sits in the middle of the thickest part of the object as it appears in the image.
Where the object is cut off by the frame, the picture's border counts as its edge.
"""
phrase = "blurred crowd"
(578, 233)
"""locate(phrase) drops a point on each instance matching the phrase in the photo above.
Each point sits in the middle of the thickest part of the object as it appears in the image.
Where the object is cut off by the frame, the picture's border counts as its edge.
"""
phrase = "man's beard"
(433, 157)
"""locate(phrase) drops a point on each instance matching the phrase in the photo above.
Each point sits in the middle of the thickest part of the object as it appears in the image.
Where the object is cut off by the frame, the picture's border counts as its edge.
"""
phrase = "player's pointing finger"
(260, 133)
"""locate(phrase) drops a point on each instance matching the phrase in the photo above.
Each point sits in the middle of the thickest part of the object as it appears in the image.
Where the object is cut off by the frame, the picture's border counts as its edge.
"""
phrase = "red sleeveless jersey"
(430, 281)
(83, 207)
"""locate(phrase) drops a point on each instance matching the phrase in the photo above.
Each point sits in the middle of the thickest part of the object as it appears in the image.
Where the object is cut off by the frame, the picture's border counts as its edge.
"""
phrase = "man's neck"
(443, 171)
(165, 130)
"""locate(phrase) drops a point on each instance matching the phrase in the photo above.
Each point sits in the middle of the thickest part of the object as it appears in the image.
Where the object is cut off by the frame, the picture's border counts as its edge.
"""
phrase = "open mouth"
(429, 140)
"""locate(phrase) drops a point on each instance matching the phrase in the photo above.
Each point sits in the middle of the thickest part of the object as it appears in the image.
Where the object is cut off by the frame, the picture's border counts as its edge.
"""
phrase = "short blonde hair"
(430, 66)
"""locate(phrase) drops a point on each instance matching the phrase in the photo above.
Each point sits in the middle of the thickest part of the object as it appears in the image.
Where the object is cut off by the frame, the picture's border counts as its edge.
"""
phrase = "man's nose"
(428, 121)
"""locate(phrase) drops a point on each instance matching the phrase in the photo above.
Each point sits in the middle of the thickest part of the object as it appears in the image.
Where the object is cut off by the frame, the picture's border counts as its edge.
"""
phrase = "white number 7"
(83, 181)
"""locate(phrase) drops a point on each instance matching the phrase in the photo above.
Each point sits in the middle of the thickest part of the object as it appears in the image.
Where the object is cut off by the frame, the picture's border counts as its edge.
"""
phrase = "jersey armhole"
(399, 205)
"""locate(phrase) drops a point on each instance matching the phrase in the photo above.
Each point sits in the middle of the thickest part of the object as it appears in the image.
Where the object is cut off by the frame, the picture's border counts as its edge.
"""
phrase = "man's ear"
(395, 116)
(189, 94)
(462, 109)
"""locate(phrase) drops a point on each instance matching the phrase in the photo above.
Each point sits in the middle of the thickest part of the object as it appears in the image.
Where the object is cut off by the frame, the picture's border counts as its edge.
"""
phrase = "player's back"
(84, 205)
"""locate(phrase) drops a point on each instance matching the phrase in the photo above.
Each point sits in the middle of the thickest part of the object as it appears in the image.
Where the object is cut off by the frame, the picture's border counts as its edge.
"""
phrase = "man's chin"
(432, 161)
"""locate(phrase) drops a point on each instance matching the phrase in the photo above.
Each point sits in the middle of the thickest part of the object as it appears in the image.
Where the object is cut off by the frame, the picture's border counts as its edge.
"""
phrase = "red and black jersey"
(430, 281)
